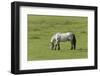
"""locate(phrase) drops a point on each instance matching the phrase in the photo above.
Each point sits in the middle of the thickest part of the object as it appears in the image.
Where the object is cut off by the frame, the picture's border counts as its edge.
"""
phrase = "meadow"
(41, 28)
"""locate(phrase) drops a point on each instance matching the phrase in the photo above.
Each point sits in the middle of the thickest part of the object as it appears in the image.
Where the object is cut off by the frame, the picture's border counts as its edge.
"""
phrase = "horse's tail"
(74, 41)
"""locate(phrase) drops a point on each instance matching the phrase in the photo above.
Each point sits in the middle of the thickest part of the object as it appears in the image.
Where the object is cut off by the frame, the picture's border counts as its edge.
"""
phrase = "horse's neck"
(55, 37)
(52, 39)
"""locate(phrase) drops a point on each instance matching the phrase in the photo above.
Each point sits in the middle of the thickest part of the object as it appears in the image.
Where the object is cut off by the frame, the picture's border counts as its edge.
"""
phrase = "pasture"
(41, 28)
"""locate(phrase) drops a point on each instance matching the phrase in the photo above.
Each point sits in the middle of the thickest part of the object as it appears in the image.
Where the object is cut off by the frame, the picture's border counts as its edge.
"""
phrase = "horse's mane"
(52, 38)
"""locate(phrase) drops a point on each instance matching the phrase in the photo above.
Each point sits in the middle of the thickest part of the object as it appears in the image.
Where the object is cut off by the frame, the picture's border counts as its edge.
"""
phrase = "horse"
(62, 37)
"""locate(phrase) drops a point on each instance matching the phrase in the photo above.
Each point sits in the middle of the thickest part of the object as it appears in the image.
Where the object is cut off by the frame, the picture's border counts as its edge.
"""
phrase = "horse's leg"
(52, 46)
(74, 45)
(71, 45)
(74, 42)
(55, 46)
(59, 46)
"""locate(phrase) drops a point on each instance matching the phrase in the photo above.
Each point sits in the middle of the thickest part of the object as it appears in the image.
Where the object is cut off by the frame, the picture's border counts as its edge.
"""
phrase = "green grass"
(41, 29)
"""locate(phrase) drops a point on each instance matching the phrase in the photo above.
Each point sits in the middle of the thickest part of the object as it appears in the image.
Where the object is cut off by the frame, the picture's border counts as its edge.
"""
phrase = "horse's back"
(62, 36)
(66, 36)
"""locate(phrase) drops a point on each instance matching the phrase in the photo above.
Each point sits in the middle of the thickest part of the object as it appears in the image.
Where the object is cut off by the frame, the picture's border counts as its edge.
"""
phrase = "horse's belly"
(63, 39)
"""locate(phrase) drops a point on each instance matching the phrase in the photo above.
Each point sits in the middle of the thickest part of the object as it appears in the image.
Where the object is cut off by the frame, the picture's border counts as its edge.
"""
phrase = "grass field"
(40, 30)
